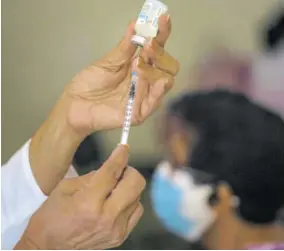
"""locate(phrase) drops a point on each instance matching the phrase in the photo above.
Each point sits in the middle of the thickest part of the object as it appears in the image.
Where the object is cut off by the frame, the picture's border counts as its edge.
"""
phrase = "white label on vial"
(144, 14)
(159, 12)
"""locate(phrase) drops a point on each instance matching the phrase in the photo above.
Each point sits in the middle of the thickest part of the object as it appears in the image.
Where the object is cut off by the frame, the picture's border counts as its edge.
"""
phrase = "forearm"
(25, 244)
(52, 148)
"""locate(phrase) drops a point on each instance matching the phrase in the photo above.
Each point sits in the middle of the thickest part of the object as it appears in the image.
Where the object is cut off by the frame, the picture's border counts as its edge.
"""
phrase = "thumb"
(105, 179)
(113, 167)
(122, 53)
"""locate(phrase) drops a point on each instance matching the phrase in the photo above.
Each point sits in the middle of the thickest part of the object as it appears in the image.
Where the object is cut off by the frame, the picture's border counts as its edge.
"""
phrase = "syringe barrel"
(129, 107)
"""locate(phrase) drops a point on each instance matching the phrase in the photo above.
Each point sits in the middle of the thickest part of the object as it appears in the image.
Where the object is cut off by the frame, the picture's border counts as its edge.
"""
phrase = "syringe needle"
(128, 113)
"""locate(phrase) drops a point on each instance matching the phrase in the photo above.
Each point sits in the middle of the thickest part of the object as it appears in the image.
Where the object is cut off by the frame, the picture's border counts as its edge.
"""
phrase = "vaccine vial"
(147, 24)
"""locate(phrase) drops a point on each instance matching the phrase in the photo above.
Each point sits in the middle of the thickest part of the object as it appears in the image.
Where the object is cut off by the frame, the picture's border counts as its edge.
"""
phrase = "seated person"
(223, 178)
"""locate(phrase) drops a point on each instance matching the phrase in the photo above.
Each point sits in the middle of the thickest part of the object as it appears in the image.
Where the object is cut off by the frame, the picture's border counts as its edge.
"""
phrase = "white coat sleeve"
(21, 197)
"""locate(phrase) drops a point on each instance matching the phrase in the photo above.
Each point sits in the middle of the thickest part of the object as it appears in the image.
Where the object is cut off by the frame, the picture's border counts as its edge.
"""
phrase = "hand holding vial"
(97, 96)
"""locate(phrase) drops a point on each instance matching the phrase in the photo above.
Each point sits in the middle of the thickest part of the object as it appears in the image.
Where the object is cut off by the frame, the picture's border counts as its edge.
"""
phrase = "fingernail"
(120, 149)
(126, 146)
(168, 17)
(120, 153)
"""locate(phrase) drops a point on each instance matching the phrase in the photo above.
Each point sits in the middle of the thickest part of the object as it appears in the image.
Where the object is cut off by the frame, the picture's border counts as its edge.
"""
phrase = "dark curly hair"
(240, 143)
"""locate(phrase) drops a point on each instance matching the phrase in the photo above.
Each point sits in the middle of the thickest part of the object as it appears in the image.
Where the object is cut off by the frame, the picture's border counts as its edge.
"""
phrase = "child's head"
(225, 158)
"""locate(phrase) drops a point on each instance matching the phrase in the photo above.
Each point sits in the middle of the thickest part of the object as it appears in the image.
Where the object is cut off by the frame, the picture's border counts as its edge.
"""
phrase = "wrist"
(53, 146)
(26, 244)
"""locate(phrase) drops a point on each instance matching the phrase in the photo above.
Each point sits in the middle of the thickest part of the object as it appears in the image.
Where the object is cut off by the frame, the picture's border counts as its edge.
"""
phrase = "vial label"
(159, 12)
(144, 14)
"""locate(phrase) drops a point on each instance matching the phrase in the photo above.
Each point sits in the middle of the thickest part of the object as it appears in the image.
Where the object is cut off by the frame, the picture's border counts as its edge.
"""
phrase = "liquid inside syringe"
(129, 106)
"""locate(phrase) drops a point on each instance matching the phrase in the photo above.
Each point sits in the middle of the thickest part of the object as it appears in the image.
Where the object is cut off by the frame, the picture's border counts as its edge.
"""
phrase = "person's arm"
(25, 244)
(52, 148)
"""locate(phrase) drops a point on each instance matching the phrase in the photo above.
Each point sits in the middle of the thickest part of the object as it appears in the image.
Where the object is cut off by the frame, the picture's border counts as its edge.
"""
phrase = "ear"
(179, 148)
(181, 140)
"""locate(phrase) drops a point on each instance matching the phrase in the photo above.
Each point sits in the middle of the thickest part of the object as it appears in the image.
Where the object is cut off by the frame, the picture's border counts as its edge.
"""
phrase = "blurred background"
(44, 44)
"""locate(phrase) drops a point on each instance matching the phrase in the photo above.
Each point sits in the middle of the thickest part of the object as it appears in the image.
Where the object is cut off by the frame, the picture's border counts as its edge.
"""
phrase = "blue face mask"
(180, 204)
(166, 201)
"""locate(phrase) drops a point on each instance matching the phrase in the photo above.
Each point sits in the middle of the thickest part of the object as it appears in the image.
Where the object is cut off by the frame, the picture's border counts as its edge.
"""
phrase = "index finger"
(106, 178)
(164, 30)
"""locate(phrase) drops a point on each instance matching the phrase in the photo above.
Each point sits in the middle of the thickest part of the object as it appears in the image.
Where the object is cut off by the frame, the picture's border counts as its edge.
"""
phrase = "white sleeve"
(21, 197)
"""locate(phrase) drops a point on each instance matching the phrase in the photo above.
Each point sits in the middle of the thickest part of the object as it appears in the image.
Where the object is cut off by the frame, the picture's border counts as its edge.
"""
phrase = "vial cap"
(138, 40)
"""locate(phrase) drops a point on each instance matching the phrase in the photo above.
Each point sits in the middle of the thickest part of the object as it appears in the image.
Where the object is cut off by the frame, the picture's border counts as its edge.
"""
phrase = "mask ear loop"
(213, 199)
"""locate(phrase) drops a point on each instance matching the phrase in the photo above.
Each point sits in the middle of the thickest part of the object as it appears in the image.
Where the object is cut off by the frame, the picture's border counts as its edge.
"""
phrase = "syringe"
(129, 106)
